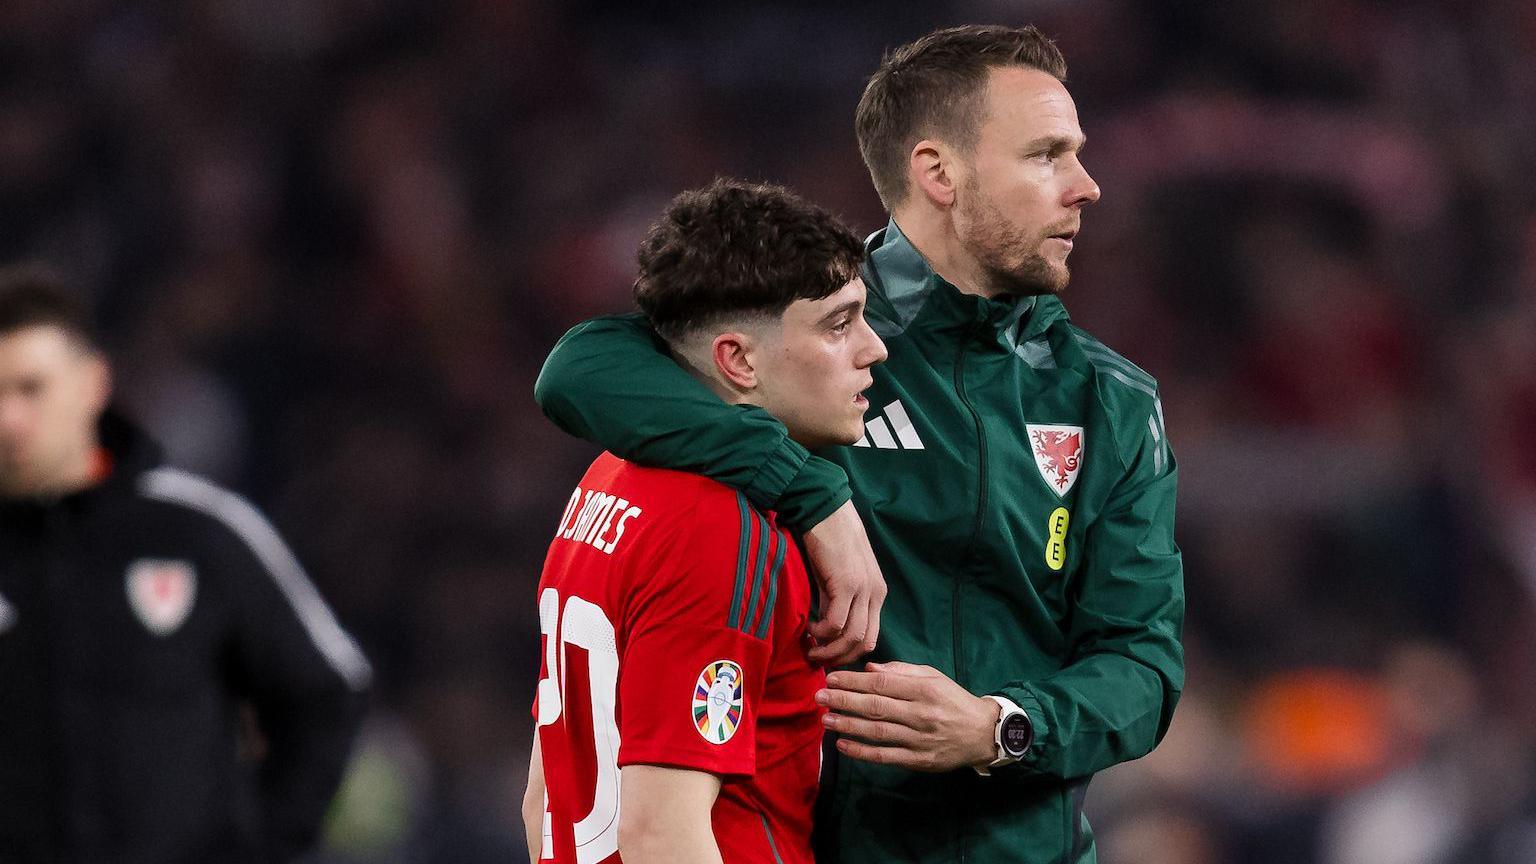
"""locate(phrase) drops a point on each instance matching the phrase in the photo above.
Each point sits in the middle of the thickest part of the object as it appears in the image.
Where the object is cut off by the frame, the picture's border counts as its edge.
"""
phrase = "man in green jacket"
(1015, 479)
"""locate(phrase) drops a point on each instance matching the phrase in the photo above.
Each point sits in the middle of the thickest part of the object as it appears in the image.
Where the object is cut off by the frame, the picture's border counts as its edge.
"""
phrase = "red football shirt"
(673, 619)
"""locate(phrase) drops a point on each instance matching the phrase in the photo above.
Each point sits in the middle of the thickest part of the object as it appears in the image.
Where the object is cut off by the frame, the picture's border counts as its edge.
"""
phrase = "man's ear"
(934, 171)
(732, 353)
(98, 382)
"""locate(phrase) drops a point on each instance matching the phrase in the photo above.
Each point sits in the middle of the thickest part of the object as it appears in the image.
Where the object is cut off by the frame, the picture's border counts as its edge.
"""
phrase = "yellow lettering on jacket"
(1056, 542)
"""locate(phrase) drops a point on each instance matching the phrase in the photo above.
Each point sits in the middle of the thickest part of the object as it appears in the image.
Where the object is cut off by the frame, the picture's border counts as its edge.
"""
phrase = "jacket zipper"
(981, 509)
(981, 492)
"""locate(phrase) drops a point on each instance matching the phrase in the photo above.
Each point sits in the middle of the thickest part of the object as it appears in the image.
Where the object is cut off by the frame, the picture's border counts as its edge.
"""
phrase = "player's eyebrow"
(1057, 143)
(842, 309)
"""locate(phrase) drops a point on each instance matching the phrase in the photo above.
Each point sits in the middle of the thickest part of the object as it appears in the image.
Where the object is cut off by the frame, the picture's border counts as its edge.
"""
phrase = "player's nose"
(873, 351)
(1084, 190)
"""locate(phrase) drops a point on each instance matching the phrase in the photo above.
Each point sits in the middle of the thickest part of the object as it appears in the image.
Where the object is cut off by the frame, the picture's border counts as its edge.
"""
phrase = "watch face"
(1017, 733)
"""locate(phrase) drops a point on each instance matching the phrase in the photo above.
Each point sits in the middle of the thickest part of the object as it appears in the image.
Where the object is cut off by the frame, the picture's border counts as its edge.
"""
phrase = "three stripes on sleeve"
(759, 562)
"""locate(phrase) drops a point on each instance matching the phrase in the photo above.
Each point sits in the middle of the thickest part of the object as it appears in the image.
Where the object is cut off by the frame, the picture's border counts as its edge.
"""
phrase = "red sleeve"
(693, 666)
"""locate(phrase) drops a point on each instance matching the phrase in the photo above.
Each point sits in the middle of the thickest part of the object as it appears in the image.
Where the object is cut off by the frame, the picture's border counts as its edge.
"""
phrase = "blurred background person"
(330, 243)
(141, 609)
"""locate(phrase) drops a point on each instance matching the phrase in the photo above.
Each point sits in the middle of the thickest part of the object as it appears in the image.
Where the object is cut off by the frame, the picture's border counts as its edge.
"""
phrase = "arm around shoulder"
(611, 381)
(599, 349)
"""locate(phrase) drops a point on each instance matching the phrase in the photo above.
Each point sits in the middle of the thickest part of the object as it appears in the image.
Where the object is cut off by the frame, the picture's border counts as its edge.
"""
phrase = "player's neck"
(932, 233)
(89, 466)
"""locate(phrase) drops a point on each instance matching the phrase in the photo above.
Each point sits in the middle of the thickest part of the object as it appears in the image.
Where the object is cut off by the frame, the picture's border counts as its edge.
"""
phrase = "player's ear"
(732, 353)
(932, 168)
(98, 381)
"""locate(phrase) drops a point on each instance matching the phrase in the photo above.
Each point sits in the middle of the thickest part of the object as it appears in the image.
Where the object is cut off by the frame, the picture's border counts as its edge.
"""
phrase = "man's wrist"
(986, 753)
(817, 489)
(1011, 734)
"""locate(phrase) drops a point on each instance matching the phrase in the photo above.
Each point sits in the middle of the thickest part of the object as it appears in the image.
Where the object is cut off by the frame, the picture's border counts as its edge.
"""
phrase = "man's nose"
(1084, 191)
(875, 351)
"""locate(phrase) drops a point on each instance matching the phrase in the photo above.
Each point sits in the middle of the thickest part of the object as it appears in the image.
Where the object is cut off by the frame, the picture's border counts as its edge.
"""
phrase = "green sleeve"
(611, 381)
(1114, 701)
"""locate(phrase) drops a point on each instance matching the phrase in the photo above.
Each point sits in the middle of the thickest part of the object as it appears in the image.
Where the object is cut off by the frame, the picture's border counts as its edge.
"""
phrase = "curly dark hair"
(933, 88)
(734, 247)
(33, 296)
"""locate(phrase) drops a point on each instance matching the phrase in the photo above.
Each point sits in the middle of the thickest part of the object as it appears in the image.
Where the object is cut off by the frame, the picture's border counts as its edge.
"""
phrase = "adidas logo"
(885, 436)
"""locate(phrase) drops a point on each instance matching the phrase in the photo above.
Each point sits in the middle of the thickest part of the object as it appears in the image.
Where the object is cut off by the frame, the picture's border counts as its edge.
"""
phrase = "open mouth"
(859, 399)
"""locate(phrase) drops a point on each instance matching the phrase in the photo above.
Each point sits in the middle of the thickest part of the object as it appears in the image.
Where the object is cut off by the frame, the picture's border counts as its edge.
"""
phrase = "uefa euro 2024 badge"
(717, 701)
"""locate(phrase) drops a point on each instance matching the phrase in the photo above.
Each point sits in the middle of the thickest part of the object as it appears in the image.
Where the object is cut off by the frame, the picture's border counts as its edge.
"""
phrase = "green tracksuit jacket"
(1021, 560)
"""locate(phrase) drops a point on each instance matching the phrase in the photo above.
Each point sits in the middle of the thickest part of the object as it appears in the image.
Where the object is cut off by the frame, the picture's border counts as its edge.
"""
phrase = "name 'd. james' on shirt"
(597, 519)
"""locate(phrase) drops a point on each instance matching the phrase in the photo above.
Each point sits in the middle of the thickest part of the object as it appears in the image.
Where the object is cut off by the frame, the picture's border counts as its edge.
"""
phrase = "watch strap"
(1006, 707)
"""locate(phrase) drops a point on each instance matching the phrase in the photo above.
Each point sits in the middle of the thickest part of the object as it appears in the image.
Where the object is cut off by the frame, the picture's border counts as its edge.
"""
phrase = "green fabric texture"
(1080, 626)
(611, 381)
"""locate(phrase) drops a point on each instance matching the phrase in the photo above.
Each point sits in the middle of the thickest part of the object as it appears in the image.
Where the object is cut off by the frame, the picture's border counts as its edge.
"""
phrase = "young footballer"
(675, 708)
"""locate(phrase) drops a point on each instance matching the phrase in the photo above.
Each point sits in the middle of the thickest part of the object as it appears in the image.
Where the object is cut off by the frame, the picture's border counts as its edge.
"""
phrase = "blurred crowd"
(332, 241)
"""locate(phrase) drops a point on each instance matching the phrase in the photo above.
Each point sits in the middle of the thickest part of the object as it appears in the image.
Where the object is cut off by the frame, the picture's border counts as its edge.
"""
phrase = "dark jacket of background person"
(119, 743)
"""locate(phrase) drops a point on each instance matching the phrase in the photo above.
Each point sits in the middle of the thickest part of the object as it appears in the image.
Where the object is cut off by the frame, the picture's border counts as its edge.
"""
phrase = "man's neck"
(89, 469)
(933, 236)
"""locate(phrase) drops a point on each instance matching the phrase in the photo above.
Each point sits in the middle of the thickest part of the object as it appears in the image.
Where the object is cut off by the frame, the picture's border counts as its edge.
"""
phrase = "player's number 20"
(585, 626)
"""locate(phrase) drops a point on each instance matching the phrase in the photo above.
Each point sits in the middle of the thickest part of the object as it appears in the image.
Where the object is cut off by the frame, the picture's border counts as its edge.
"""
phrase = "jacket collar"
(902, 284)
(132, 450)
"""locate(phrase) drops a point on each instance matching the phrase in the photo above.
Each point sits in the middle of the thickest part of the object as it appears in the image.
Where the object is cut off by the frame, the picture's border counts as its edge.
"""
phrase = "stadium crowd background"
(332, 240)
